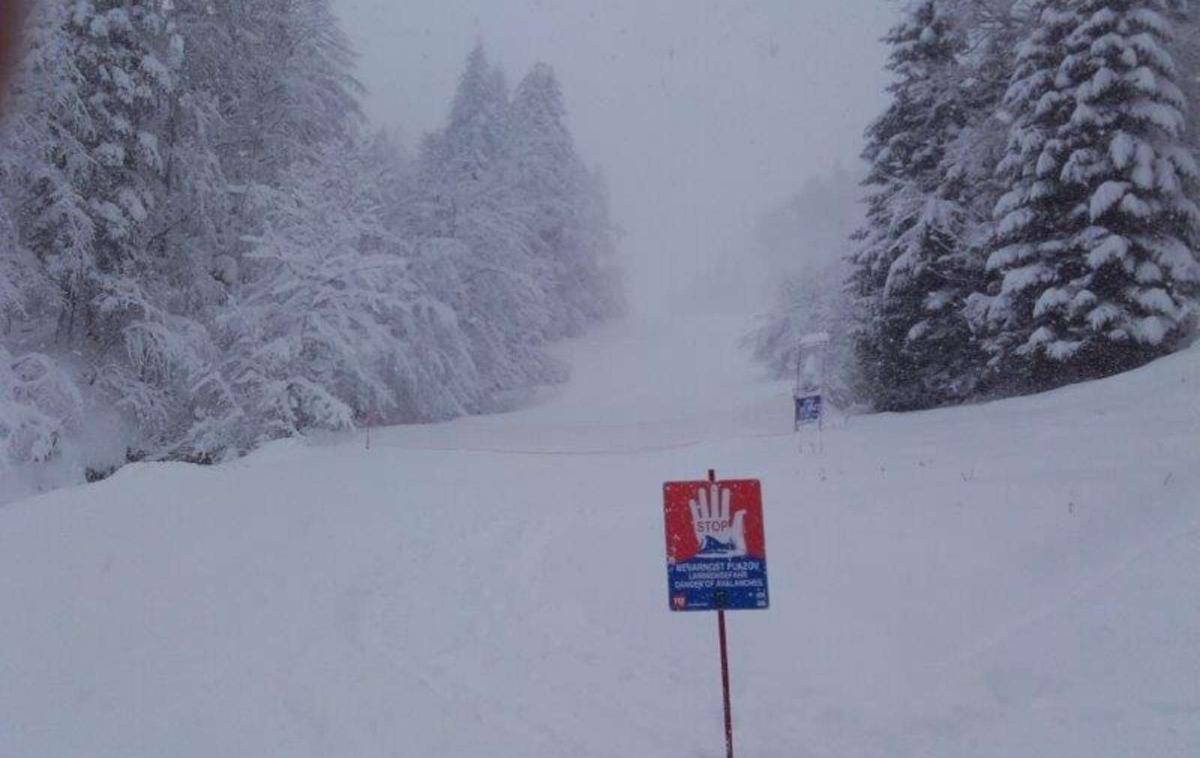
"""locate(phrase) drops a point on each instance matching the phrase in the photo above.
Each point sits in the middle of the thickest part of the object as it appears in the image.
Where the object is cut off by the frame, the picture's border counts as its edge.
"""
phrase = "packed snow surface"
(1013, 579)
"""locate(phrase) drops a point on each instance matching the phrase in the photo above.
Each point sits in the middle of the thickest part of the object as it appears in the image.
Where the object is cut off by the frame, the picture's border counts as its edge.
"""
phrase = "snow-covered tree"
(46, 161)
(282, 73)
(39, 406)
(545, 176)
(913, 271)
(193, 232)
(1095, 267)
(560, 205)
(500, 296)
(460, 163)
(96, 103)
(331, 326)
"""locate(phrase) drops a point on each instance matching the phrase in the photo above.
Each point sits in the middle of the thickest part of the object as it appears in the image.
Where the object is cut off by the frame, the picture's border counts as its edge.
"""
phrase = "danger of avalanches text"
(709, 574)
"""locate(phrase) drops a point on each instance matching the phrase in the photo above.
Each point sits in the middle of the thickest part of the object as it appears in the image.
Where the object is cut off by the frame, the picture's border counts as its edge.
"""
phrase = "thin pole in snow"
(725, 685)
(796, 391)
(712, 477)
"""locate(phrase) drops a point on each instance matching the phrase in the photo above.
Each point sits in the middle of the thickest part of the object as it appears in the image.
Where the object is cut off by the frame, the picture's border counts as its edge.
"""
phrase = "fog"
(703, 115)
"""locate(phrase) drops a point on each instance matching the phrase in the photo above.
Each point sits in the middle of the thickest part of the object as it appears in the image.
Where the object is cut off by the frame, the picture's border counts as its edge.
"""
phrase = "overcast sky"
(703, 114)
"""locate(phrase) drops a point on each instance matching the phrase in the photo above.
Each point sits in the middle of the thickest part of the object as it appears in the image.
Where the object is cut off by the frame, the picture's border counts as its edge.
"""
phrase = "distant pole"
(712, 477)
(796, 391)
(799, 363)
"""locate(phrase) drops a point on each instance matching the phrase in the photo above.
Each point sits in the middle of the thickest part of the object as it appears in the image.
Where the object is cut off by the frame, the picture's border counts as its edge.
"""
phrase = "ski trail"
(1006, 579)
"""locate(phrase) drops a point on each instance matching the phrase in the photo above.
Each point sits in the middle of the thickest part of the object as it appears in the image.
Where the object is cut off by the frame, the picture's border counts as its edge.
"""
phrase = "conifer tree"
(498, 288)
(911, 271)
(1095, 269)
(561, 205)
(99, 186)
(544, 174)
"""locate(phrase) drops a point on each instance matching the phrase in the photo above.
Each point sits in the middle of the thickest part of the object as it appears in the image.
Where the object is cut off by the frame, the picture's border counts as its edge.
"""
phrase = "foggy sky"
(702, 114)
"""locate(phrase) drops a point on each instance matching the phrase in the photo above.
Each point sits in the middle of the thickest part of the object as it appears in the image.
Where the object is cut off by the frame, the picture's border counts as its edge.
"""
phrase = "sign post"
(725, 685)
(716, 557)
(810, 390)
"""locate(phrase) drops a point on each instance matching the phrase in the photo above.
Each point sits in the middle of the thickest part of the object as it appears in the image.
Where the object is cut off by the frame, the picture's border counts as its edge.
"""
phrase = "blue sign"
(808, 409)
(716, 548)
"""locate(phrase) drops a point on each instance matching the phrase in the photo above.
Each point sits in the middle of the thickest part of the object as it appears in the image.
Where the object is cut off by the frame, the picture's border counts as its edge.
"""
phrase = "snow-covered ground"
(1015, 579)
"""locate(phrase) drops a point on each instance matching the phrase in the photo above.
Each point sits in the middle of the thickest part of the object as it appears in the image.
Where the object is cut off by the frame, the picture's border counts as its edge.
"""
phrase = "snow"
(1113, 249)
(1106, 197)
(1021, 279)
(1157, 300)
(1148, 273)
(1104, 315)
(1016, 578)
(1134, 207)
(1051, 300)
(1122, 149)
(1166, 117)
(1151, 330)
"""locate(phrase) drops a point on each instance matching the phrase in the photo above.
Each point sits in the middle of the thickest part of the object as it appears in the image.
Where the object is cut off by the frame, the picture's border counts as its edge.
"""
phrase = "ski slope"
(1014, 579)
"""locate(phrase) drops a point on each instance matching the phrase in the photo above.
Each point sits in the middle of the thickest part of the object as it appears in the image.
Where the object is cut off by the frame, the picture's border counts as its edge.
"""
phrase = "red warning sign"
(716, 545)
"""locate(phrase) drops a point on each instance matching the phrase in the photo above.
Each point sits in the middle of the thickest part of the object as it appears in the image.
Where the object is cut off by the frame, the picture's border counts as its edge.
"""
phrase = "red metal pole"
(712, 477)
(725, 686)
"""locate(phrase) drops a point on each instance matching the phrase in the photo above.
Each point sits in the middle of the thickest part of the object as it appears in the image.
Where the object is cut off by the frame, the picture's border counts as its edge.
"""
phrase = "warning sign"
(716, 548)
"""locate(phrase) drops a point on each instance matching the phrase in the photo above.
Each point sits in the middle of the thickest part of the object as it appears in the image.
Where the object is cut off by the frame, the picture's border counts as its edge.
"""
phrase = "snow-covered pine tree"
(282, 71)
(992, 29)
(545, 175)
(1095, 270)
(276, 77)
(911, 274)
(127, 55)
(40, 402)
(561, 206)
(95, 100)
(502, 305)
(459, 163)
(47, 162)
(269, 82)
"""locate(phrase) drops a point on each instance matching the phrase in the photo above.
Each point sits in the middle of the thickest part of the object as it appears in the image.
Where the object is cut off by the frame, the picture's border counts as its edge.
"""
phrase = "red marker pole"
(712, 477)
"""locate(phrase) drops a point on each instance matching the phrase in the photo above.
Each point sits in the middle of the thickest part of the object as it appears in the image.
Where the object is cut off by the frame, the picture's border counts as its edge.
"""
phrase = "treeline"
(203, 246)
(1031, 200)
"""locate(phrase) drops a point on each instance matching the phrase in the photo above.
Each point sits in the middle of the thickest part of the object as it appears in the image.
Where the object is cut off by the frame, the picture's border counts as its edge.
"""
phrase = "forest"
(1030, 206)
(205, 245)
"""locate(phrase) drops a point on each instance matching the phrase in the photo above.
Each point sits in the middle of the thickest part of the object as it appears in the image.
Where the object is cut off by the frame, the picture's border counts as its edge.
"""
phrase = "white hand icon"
(717, 535)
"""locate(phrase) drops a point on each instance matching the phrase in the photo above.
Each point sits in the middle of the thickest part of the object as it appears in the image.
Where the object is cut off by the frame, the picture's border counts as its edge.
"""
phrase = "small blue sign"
(808, 409)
